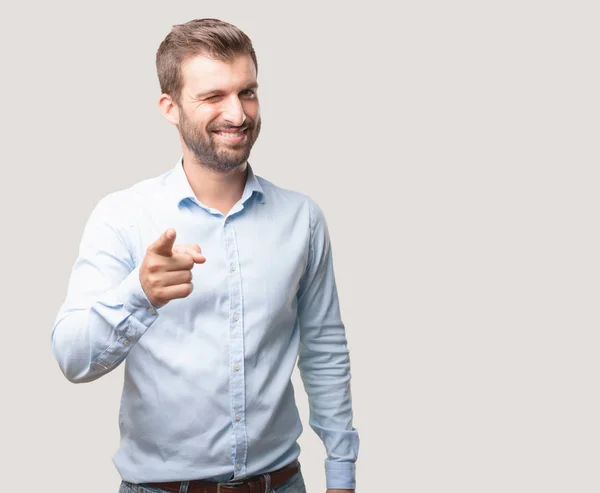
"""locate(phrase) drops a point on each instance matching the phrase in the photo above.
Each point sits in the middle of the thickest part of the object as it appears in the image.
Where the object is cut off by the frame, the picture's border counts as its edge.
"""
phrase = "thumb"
(164, 244)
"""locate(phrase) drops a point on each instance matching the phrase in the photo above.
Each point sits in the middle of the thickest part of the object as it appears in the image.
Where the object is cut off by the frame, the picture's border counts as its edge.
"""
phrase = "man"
(210, 281)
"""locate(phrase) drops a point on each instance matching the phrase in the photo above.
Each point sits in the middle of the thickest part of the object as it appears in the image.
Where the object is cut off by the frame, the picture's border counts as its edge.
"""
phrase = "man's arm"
(323, 358)
(106, 310)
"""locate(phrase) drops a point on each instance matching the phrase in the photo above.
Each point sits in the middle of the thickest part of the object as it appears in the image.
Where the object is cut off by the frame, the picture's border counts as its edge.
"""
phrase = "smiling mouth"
(232, 135)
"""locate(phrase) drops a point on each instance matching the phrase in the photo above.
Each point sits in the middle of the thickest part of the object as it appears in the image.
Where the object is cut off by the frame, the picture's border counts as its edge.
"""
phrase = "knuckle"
(160, 295)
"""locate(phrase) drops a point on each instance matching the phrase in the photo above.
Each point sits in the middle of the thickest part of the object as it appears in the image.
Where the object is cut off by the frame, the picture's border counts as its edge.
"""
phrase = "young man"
(210, 281)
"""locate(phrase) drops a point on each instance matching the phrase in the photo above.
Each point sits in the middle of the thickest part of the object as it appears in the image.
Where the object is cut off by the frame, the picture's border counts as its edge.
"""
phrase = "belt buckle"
(228, 483)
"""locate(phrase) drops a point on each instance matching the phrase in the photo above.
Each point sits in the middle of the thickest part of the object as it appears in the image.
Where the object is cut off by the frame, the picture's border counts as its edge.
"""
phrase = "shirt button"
(236, 367)
(126, 342)
(238, 417)
(232, 267)
(236, 317)
(152, 311)
(238, 466)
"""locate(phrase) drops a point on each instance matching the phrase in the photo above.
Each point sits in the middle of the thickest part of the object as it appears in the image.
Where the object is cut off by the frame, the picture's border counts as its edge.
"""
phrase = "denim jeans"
(293, 485)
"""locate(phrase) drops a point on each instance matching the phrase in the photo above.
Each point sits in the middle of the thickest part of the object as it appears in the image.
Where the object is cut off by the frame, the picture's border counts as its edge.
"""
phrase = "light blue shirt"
(207, 390)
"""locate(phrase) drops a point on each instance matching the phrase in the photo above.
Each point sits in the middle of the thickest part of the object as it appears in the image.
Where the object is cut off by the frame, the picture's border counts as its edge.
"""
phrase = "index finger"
(164, 245)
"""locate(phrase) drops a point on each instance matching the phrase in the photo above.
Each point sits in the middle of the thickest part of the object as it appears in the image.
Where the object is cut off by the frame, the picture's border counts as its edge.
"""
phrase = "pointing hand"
(165, 273)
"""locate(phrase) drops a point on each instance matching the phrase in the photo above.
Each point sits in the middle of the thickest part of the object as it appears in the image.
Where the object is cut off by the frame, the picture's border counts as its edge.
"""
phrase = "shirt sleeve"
(324, 362)
(106, 310)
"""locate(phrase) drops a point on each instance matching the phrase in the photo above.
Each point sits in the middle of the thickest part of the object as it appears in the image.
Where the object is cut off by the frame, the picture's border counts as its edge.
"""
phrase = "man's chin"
(239, 156)
(229, 162)
(226, 158)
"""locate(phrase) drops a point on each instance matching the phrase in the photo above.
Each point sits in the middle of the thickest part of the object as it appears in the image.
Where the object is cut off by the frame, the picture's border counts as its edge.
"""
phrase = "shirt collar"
(180, 189)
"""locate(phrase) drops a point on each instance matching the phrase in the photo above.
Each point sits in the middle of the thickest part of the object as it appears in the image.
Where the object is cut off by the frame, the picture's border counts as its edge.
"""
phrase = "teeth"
(231, 134)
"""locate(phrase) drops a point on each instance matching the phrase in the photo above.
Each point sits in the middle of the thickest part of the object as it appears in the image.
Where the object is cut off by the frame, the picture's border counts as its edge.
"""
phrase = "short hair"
(209, 37)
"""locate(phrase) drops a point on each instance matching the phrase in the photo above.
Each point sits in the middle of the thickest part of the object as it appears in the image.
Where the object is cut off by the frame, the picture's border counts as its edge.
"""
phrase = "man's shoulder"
(287, 198)
(125, 204)
(278, 194)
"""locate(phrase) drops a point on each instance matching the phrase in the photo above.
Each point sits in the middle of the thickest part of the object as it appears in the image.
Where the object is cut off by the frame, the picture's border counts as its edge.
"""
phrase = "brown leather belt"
(254, 484)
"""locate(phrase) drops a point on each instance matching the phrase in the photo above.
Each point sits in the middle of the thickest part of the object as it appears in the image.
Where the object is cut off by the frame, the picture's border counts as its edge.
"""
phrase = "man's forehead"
(203, 71)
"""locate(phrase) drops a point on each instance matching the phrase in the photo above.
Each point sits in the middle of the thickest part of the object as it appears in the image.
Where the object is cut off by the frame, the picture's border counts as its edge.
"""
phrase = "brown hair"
(210, 37)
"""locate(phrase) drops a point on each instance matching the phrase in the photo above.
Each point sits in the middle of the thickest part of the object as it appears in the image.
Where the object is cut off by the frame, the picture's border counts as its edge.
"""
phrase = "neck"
(220, 190)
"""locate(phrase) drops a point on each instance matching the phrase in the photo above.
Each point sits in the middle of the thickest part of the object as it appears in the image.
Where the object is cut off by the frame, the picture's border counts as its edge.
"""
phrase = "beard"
(215, 155)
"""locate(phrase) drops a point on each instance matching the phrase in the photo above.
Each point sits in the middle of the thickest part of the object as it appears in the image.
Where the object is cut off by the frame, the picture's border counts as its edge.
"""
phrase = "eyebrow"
(203, 94)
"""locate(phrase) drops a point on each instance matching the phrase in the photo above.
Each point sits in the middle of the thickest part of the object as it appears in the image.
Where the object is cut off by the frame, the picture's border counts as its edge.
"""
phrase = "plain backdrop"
(454, 149)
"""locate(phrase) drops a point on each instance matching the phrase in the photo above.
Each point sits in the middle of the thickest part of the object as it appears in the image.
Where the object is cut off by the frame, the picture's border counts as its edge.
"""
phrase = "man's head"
(207, 73)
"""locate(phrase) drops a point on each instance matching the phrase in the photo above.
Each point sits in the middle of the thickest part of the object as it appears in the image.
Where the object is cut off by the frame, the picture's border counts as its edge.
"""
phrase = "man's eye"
(248, 93)
(214, 97)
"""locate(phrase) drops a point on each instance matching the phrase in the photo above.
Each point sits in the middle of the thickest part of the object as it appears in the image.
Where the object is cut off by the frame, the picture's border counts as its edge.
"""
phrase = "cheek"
(203, 117)
(252, 109)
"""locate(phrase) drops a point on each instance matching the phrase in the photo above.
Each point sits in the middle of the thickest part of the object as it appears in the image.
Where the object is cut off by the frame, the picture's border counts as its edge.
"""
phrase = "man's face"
(219, 114)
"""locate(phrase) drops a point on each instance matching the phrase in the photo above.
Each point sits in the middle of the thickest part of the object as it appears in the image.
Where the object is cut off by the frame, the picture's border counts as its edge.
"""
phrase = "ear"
(169, 108)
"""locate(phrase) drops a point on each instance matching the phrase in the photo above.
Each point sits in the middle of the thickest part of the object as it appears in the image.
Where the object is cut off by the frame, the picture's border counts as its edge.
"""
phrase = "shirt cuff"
(340, 475)
(135, 300)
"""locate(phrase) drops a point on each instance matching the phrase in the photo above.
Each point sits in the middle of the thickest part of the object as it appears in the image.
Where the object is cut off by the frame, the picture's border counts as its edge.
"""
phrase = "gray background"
(454, 149)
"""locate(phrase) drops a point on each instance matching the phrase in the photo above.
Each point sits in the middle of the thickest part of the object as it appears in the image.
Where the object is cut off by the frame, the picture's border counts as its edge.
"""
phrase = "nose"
(233, 111)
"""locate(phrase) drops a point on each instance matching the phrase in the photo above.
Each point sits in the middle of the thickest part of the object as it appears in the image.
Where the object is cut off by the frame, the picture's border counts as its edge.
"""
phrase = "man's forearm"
(89, 341)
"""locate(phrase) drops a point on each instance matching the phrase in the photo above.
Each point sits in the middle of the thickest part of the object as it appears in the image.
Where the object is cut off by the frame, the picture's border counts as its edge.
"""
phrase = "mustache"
(248, 124)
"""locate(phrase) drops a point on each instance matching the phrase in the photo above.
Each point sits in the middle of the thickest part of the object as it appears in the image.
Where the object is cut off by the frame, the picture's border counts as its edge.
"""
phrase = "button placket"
(236, 348)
